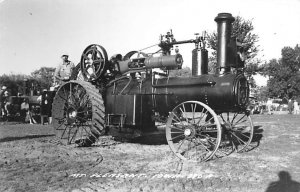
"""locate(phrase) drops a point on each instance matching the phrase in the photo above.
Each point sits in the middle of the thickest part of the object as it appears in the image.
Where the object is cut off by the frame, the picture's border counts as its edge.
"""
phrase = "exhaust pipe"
(224, 21)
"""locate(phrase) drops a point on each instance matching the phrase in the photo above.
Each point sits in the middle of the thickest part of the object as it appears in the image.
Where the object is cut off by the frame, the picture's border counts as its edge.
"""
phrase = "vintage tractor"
(204, 116)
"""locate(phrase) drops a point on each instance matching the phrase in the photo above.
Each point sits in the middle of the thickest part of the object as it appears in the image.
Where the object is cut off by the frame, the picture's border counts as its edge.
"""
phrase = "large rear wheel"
(78, 113)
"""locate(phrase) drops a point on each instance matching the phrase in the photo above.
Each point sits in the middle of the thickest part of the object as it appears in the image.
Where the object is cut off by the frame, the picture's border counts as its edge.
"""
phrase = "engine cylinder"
(167, 61)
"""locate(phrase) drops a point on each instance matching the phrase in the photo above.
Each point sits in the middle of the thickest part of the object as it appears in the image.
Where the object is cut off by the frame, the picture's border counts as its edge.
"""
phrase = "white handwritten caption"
(141, 175)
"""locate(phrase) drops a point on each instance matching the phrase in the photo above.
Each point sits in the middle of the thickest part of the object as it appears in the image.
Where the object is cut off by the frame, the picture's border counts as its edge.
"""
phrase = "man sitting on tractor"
(64, 71)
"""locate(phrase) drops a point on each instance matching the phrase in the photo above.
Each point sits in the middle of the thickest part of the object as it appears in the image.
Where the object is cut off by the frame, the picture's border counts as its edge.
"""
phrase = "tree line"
(283, 74)
(38, 80)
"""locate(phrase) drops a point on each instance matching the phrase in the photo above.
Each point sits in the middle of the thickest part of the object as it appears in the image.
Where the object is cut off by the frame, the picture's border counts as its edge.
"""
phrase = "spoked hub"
(71, 115)
(237, 132)
(189, 132)
(193, 131)
(78, 113)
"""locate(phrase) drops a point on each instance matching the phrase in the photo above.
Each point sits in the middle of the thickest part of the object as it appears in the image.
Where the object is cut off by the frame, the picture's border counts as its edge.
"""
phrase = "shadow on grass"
(257, 136)
(7, 139)
(151, 139)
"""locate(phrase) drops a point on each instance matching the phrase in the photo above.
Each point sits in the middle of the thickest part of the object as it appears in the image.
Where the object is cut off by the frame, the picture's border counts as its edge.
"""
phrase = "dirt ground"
(32, 159)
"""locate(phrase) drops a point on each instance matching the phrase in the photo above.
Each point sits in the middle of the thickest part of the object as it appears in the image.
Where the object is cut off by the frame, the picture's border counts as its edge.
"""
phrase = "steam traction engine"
(204, 116)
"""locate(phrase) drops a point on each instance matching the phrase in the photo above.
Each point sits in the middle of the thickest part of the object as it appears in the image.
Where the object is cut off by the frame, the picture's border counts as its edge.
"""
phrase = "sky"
(35, 33)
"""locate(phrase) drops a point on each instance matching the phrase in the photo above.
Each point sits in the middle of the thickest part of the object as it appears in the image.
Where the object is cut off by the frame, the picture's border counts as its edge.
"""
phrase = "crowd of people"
(62, 74)
(271, 105)
(8, 109)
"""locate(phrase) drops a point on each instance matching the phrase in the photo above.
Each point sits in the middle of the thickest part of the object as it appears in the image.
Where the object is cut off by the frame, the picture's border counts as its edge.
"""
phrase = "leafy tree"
(284, 75)
(13, 82)
(242, 30)
(260, 93)
(44, 76)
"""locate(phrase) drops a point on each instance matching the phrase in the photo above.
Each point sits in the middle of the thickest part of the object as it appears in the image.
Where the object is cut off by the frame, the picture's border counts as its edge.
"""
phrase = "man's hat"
(65, 55)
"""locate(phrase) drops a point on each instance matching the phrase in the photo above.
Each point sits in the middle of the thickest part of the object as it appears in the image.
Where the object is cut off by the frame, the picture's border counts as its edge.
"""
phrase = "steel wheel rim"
(192, 136)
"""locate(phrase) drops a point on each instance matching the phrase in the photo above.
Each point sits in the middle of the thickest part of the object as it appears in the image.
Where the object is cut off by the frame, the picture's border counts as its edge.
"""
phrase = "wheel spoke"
(239, 139)
(177, 137)
(222, 118)
(235, 115)
(244, 135)
(201, 117)
(94, 50)
(177, 128)
(179, 121)
(74, 134)
(205, 147)
(183, 112)
(208, 121)
(98, 61)
(240, 119)
(69, 134)
(85, 56)
(182, 141)
(177, 132)
(228, 117)
(70, 91)
(64, 131)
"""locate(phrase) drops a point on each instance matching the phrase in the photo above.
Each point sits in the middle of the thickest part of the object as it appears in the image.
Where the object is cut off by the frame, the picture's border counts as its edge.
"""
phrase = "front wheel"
(193, 131)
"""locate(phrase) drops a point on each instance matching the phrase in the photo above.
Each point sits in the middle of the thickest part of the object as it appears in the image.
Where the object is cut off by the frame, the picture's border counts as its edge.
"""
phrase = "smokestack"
(224, 21)
(199, 61)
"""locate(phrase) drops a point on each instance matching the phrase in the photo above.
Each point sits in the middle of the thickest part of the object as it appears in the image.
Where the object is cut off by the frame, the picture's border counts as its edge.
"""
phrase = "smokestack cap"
(224, 16)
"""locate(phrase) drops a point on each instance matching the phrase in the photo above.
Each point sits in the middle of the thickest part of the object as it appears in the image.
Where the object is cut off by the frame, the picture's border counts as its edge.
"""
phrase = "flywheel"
(78, 113)
(94, 62)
